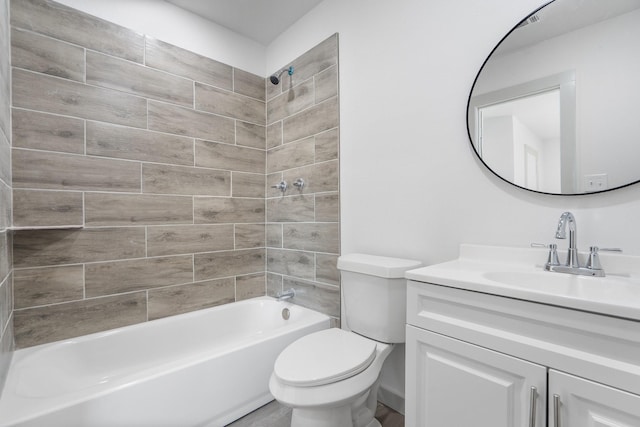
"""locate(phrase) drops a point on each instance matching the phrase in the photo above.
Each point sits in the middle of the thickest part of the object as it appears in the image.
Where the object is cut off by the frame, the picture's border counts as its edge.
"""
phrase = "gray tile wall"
(157, 153)
(158, 157)
(303, 229)
(6, 267)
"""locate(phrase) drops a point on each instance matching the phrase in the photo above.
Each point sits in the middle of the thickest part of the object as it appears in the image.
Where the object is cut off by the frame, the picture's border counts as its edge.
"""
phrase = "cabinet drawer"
(602, 348)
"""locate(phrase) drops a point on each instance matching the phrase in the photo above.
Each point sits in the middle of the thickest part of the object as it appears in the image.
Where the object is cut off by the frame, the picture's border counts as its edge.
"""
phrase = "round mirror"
(553, 108)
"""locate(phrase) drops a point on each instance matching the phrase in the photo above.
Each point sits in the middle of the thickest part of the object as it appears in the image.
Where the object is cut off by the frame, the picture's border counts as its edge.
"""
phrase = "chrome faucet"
(285, 295)
(561, 233)
(572, 266)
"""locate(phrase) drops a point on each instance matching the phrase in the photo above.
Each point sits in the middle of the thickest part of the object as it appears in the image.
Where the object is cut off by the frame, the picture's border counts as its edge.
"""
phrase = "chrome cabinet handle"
(532, 406)
(556, 410)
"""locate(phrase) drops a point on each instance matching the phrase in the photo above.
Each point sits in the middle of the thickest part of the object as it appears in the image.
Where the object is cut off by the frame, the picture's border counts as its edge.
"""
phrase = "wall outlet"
(595, 182)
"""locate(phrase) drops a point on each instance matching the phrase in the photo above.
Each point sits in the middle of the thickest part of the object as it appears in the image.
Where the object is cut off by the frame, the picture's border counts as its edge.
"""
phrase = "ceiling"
(259, 20)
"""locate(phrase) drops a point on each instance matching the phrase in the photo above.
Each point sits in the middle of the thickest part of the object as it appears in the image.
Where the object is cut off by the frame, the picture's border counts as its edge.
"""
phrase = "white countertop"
(519, 273)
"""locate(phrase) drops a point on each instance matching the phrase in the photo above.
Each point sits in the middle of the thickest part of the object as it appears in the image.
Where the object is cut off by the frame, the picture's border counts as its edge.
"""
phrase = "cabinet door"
(583, 403)
(451, 383)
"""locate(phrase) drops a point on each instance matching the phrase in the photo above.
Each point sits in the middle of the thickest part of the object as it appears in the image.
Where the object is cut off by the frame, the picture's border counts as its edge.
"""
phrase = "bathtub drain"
(286, 313)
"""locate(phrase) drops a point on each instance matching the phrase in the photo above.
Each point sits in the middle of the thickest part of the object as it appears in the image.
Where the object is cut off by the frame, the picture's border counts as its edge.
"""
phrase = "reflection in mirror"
(532, 143)
(553, 108)
(534, 120)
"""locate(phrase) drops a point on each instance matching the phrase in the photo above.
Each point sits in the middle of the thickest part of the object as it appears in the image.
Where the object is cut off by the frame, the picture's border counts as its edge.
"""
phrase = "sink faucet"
(561, 233)
(572, 266)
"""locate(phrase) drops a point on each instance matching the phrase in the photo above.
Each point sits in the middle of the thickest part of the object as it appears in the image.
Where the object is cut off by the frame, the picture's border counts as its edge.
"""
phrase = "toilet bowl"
(330, 378)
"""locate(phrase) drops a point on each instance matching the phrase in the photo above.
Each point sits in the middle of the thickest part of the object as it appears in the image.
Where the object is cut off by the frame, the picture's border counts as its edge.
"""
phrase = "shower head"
(275, 79)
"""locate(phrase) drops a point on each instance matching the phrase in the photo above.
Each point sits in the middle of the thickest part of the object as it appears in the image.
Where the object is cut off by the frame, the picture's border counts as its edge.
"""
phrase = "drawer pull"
(532, 407)
(556, 410)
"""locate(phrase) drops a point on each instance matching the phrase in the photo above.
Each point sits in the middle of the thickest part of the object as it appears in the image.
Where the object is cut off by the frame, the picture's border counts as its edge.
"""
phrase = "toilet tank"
(374, 295)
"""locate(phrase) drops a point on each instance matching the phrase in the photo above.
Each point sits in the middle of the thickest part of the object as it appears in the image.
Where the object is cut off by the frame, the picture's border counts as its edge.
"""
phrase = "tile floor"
(275, 415)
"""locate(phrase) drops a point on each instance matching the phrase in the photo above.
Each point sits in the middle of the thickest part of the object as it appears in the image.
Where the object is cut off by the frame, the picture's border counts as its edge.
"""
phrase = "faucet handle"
(607, 249)
(541, 245)
(282, 186)
(552, 258)
(593, 262)
(299, 183)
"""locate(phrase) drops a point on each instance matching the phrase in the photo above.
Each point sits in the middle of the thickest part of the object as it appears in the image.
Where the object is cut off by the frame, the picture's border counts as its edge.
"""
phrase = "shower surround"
(303, 236)
(142, 170)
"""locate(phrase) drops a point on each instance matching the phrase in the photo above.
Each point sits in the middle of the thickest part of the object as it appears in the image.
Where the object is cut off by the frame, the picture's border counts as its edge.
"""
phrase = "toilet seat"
(324, 357)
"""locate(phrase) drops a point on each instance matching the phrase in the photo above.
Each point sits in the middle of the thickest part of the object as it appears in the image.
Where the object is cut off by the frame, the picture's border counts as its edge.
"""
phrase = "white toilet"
(330, 378)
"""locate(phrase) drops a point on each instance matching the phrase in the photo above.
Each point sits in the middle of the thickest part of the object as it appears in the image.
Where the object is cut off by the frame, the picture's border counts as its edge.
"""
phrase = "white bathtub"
(205, 368)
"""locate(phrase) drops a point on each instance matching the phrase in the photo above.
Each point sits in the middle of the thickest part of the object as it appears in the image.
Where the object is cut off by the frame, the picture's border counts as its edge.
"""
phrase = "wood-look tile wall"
(159, 157)
(6, 297)
(157, 153)
(303, 228)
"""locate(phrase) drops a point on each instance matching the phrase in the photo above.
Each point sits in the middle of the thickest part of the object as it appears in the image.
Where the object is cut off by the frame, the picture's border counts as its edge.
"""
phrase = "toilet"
(330, 378)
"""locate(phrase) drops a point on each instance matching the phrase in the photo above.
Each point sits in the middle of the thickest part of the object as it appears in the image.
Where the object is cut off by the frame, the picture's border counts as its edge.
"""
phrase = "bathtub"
(205, 368)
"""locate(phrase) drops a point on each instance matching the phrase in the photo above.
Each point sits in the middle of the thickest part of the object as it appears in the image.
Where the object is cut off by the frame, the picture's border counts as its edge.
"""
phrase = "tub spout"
(285, 295)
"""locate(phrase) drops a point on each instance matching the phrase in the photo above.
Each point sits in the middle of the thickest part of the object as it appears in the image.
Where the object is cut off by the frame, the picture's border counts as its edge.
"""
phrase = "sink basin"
(519, 273)
(604, 289)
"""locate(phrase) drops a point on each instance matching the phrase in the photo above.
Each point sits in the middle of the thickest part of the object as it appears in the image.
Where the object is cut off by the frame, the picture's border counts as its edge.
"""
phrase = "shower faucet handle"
(282, 186)
(299, 183)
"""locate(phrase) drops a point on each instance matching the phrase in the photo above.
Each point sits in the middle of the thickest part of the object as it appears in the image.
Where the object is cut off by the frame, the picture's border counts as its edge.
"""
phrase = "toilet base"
(337, 417)
(359, 412)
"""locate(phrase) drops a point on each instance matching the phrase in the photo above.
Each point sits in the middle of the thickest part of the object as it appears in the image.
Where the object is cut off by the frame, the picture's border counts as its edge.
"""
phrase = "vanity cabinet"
(584, 403)
(480, 360)
(459, 384)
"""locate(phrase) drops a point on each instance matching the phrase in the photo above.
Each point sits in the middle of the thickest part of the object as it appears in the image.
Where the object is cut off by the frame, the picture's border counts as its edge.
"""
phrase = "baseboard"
(391, 398)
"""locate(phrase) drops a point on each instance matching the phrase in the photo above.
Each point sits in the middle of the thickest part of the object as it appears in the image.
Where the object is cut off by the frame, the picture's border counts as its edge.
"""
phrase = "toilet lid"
(324, 357)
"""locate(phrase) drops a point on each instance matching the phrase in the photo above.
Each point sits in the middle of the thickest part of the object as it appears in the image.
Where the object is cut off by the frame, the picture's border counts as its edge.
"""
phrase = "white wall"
(174, 25)
(523, 137)
(500, 153)
(410, 183)
(549, 164)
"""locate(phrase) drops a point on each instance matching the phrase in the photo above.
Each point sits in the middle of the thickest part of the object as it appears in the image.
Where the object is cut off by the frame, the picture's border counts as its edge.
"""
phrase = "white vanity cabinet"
(582, 403)
(481, 360)
(458, 384)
